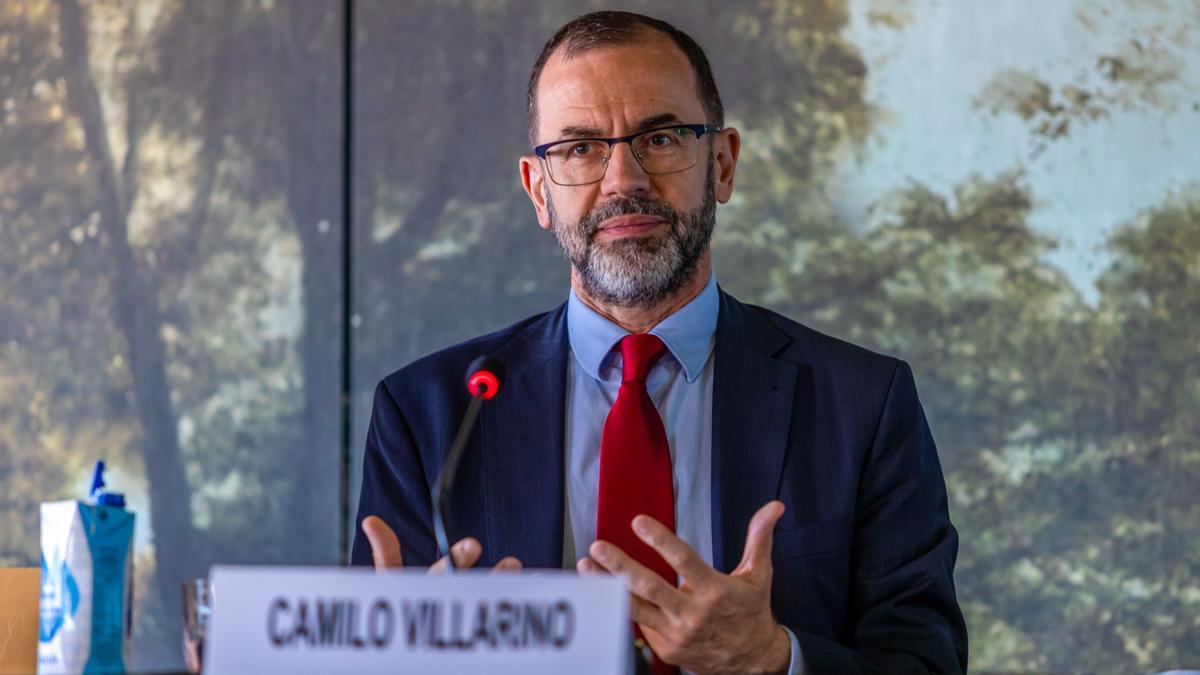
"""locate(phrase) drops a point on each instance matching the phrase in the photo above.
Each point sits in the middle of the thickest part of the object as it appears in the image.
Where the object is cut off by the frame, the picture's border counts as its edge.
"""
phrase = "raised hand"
(713, 622)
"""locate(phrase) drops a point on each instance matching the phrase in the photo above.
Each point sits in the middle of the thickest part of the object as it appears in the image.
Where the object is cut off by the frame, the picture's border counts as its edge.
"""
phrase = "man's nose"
(624, 175)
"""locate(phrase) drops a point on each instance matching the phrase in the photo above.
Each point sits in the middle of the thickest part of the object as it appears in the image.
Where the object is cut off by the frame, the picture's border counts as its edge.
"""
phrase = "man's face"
(633, 238)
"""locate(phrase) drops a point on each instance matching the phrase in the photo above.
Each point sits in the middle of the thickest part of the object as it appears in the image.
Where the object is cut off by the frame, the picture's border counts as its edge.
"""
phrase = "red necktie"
(635, 463)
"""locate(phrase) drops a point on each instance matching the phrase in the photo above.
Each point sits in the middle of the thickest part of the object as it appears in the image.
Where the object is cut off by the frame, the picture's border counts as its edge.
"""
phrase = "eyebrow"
(656, 121)
(651, 122)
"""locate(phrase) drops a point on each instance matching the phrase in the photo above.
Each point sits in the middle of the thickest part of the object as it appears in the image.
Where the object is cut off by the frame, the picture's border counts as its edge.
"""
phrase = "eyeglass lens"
(657, 151)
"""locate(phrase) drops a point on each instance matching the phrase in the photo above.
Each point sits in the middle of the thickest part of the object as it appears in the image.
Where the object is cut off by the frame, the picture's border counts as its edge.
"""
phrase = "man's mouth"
(629, 225)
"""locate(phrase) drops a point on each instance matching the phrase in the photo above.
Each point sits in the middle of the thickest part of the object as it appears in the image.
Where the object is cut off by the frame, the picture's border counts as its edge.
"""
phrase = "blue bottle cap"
(111, 499)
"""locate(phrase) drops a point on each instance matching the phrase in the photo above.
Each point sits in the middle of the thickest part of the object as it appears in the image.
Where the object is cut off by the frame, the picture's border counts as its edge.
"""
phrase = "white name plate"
(340, 620)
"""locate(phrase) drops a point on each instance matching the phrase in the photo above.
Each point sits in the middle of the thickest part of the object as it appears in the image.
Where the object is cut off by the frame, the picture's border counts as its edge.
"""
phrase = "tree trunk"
(138, 319)
(313, 168)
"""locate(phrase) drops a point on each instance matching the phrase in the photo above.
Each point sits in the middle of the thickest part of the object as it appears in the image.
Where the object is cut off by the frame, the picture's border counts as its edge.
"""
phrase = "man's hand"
(713, 623)
(385, 550)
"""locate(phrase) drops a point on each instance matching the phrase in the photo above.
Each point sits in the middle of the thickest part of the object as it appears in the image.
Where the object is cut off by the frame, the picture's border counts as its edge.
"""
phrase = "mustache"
(627, 206)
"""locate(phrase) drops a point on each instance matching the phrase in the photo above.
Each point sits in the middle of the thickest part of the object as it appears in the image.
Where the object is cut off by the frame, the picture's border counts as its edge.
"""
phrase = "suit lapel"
(523, 436)
(752, 409)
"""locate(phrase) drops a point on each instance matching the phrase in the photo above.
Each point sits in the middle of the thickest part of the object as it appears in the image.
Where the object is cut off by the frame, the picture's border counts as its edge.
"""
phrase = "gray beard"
(638, 271)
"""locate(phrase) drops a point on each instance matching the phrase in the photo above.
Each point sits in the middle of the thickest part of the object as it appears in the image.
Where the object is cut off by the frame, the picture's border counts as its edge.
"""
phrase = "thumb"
(756, 558)
(385, 547)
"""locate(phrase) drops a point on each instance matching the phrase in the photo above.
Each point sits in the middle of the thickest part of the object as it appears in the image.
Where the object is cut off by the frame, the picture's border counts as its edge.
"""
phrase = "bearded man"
(772, 495)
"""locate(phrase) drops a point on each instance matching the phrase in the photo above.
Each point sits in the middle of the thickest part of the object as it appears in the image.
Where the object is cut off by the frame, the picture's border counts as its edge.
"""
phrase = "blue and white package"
(86, 610)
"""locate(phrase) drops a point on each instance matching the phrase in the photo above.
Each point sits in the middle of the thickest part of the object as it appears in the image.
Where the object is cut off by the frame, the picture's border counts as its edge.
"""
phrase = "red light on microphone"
(483, 383)
(484, 376)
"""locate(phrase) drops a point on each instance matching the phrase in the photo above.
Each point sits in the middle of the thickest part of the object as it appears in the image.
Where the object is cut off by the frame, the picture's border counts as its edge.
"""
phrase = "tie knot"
(639, 354)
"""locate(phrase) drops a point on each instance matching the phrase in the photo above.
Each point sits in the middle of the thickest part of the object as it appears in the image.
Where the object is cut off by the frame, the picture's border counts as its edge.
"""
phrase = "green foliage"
(1145, 71)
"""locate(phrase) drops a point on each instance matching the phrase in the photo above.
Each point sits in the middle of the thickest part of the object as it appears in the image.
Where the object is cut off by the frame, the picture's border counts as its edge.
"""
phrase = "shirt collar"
(688, 333)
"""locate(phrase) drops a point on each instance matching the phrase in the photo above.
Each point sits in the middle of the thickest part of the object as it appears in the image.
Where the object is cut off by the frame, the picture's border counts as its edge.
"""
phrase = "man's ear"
(534, 182)
(726, 147)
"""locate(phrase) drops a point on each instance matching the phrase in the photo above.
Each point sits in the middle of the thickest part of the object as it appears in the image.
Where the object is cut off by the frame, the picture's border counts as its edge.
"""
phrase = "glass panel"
(444, 243)
(906, 189)
(170, 281)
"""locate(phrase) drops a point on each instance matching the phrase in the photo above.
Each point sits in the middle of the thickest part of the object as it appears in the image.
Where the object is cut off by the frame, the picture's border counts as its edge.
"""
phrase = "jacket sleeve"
(394, 485)
(903, 614)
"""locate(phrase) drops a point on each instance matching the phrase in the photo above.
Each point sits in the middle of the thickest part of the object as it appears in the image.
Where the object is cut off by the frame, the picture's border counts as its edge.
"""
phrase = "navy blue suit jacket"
(863, 556)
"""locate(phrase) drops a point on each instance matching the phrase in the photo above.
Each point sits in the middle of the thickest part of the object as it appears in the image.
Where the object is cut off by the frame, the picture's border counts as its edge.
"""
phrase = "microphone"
(484, 376)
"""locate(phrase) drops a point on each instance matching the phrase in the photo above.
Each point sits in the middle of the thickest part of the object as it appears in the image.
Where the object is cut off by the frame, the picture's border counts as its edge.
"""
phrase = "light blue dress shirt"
(681, 386)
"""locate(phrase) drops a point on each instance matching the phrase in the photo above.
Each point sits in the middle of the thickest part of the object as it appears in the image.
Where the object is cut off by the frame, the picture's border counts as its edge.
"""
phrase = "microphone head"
(484, 376)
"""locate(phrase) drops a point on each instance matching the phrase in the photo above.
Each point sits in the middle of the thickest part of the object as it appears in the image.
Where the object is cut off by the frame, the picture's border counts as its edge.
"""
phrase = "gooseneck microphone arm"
(445, 479)
(483, 381)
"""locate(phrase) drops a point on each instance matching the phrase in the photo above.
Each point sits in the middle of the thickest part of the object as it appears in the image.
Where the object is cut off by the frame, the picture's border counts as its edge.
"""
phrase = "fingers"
(466, 552)
(640, 611)
(643, 582)
(588, 566)
(385, 550)
(647, 615)
(508, 564)
(756, 558)
(385, 547)
(685, 561)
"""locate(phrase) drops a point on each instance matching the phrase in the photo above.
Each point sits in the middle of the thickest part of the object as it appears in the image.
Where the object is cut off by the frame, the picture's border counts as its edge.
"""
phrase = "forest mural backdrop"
(1006, 195)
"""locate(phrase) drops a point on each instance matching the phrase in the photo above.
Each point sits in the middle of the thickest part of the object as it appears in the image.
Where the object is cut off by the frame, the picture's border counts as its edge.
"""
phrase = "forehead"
(612, 88)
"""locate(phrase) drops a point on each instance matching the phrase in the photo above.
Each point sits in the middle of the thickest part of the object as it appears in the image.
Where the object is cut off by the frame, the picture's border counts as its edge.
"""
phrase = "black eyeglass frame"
(698, 129)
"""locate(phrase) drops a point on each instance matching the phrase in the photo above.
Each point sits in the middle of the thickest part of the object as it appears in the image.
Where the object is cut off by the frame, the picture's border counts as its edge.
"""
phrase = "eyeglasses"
(579, 161)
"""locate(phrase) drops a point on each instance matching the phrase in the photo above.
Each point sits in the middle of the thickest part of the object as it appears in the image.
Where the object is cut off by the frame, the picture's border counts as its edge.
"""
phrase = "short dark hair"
(605, 29)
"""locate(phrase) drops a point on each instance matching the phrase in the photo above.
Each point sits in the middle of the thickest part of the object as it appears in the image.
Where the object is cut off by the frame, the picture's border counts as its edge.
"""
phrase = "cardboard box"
(19, 593)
